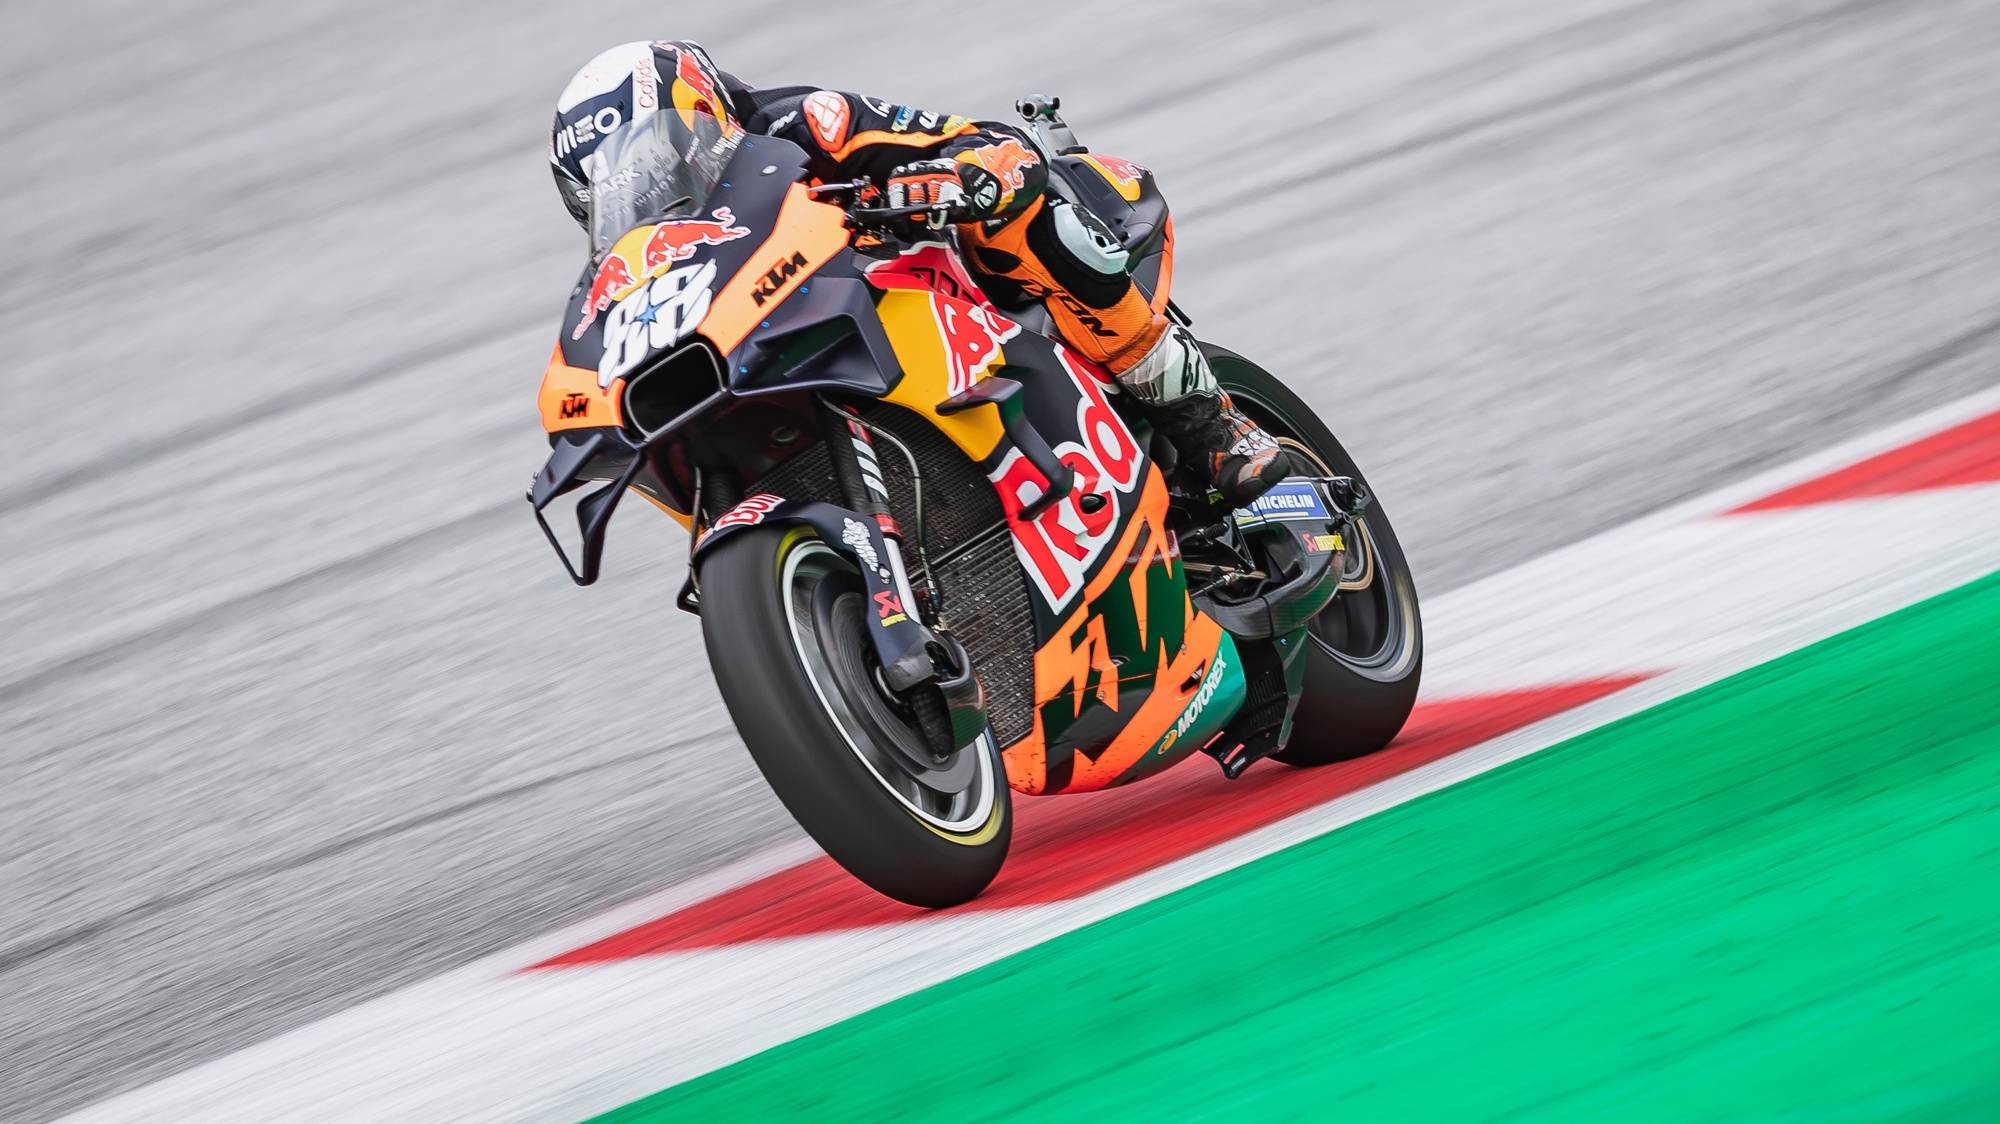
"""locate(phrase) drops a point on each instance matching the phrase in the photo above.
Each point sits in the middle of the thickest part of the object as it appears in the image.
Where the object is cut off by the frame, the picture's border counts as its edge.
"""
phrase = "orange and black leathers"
(1025, 246)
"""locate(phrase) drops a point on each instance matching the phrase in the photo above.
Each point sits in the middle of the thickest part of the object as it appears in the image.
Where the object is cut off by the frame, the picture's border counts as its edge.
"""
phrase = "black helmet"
(620, 86)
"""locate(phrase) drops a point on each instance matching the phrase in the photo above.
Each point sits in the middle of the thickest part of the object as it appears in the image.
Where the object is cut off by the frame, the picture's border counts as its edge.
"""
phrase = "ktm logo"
(575, 405)
(769, 284)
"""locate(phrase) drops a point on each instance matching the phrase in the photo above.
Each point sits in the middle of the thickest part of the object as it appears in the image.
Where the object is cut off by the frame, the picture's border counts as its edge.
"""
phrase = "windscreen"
(664, 165)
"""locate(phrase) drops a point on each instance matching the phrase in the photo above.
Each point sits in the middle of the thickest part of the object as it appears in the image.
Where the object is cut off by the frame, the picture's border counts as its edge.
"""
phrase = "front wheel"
(1367, 650)
(783, 617)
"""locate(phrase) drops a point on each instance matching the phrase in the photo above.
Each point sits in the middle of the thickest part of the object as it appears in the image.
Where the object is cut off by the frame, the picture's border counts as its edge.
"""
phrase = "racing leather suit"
(1029, 243)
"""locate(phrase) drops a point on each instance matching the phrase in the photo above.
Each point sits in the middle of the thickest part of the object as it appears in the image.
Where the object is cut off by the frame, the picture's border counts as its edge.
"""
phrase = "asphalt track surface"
(294, 706)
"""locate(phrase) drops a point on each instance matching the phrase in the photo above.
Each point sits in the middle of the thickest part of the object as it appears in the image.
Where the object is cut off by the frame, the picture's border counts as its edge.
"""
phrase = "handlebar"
(872, 215)
(933, 214)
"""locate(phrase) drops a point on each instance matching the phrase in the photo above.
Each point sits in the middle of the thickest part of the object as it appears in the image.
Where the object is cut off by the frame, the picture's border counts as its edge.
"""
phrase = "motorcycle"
(936, 559)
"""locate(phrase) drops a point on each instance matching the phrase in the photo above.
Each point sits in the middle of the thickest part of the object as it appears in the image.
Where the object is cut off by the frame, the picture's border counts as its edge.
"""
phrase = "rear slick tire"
(1367, 648)
(780, 618)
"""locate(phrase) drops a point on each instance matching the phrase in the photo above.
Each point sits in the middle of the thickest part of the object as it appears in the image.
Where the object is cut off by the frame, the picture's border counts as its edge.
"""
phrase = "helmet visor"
(665, 165)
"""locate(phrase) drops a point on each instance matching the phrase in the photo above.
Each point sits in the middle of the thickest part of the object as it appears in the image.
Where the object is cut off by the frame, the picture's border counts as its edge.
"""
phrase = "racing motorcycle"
(935, 558)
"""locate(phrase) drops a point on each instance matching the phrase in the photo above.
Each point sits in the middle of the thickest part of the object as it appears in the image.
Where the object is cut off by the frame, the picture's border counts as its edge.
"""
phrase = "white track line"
(1814, 465)
(485, 1043)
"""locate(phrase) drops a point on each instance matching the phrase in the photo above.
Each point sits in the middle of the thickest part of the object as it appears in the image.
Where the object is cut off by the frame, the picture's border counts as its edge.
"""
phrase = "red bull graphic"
(614, 278)
(669, 242)
(1008, 161)
(688, 70)
(972, 335)
(676, 241)
(1121, 169)
(1125, 177)
(969, 328)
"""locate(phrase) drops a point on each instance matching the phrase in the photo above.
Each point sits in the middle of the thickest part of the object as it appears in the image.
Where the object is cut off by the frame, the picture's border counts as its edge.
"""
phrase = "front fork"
(939, 660)
(851, 446)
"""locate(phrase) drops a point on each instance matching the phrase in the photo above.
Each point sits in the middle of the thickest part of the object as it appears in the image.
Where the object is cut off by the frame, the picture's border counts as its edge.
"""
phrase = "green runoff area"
(1776, 897)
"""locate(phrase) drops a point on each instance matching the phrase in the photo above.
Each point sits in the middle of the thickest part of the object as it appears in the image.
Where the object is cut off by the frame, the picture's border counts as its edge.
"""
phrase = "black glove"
(969, 191)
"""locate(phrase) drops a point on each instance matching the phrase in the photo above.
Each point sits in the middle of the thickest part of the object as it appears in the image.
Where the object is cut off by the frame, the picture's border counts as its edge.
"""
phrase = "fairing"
(1123, 656)
(1129, 677)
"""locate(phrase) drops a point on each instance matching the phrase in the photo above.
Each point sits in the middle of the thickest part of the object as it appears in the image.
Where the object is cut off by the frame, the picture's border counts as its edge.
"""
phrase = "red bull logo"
(688, 70)
(1121, 169)
(614, 278)
(670, 242)
(676, 241)
(1009, 161)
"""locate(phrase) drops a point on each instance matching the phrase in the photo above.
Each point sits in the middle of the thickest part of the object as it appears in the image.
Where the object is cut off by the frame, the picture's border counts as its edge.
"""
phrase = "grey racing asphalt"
(295, 707)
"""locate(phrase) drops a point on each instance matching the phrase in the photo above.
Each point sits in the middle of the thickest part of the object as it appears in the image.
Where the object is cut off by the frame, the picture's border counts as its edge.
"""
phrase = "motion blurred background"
(294, 705)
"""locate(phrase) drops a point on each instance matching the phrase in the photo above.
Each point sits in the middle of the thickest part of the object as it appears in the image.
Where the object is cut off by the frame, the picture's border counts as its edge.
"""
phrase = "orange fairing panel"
(806, 230)
(1130, 749)
(572, 399)
(1065, 668)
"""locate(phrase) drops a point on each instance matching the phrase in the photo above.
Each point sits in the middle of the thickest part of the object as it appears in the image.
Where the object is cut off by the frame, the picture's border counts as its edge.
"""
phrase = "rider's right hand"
(967, 191)
(926, 183)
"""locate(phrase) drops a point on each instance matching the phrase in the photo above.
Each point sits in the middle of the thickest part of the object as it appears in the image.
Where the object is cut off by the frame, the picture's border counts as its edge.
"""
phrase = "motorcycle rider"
(1020, 240)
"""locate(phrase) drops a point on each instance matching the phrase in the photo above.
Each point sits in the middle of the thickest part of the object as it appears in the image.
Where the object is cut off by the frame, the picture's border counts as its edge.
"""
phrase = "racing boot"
(1178, 393)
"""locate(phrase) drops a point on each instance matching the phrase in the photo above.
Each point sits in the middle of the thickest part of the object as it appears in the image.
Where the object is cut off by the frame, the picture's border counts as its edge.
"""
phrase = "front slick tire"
(781, 615)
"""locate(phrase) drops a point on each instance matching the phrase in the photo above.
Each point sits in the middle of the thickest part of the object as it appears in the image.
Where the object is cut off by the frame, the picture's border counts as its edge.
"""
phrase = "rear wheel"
(783, 617)
(1367, 646)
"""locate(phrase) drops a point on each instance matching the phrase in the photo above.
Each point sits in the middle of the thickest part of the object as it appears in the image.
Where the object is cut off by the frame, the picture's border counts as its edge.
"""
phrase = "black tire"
(780, 617)
(1368, 646)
